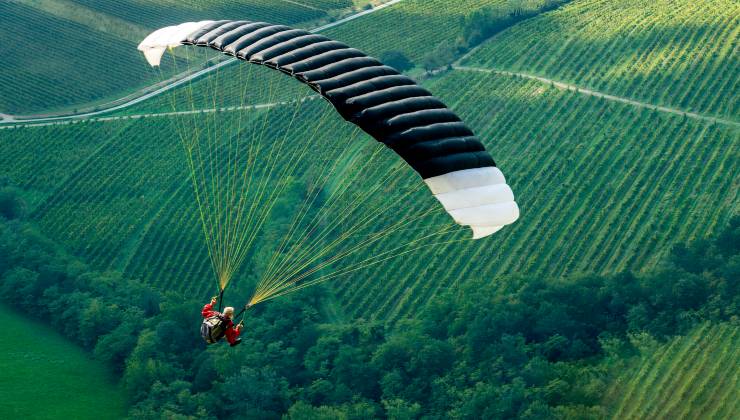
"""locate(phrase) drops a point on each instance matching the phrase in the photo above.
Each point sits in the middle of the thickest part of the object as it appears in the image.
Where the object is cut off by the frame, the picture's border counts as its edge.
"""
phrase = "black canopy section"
(389, 106)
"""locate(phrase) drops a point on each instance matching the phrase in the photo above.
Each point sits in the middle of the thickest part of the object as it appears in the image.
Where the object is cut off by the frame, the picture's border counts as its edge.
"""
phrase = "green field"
(691, 377)
(603, 187)
(154, 14)
(138, 215)
(414, 27)
(60, 71)
(45, 376)
(90, 56)
(674, 53)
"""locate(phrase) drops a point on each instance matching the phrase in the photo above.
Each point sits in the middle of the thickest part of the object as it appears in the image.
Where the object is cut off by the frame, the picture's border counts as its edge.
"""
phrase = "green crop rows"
(595, 194)
(159, 13)
(603, 186)
(682, 54)
(689, 377)
(414, 27)
(165, 12)
(75, 65)
(121, 196)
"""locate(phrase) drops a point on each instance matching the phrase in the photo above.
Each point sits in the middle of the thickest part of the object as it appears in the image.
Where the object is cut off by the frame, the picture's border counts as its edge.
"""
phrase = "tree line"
(483, 24)
(477, 27)
(522, 347)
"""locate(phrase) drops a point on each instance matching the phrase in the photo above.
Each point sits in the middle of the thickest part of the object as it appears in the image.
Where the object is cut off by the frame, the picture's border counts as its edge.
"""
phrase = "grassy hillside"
(63, 54)
(123, 201)
(45, 376)
(159, 13)
(603, 186)
(414, 27)
(691, 377)
(675, 53)
(45, 69)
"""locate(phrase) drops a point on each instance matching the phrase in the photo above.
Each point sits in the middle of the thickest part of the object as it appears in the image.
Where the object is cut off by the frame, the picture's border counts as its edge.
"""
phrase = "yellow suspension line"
(363, 264)
(289, 169)
(306, 206)
(293, 270)
(343, 187)
(272, 198)
(359, 266)
(235, 212)
(354, 249)
(188, 147)
(237, 148)
(285, 277)
(318, 189)
(262, 184)
(346, 213)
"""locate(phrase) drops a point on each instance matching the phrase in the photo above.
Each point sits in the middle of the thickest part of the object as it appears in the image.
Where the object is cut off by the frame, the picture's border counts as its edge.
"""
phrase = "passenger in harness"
(216, 325)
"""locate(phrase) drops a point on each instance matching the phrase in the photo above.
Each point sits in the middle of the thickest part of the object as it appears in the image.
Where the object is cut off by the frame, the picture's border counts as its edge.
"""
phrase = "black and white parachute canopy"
(389, 106)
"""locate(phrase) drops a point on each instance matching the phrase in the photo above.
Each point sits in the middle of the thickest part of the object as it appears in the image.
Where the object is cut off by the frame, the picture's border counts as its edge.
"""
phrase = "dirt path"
(589, 92)
(155, 114)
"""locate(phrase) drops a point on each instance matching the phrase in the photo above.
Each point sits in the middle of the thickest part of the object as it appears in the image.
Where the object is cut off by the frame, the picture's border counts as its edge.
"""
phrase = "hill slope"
(681, 54)
(46, 376)
(691, 377)
(603, 187)
(63, 54)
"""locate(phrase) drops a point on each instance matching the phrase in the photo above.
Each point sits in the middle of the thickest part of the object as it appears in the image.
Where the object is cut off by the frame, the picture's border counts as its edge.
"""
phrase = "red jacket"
(231, 333)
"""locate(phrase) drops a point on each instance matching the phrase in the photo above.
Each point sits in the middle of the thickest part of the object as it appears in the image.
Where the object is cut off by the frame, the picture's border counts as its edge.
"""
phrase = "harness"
(213, 328)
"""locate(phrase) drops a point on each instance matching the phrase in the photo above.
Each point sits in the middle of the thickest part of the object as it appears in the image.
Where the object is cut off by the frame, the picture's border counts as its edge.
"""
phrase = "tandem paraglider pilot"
(217, 325)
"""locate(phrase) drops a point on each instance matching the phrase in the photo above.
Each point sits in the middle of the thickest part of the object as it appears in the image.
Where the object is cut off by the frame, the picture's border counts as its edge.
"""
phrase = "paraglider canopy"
(387, 105)
(156, 43)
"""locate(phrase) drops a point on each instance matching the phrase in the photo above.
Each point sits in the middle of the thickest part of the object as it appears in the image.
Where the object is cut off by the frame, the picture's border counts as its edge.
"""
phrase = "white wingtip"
(483, 231)
(157, 42)
(153, 55)
(479, 198)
